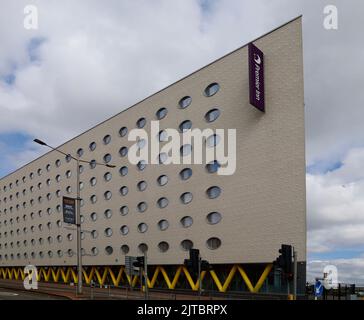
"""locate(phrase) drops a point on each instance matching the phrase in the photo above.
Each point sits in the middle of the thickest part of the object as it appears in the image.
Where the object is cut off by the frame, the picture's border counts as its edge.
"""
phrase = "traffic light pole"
(294, 274)
(145, 276)
(199, 277)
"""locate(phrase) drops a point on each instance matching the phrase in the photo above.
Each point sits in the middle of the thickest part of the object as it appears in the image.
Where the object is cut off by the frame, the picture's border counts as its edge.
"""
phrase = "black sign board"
(256, 77)
(69, 210)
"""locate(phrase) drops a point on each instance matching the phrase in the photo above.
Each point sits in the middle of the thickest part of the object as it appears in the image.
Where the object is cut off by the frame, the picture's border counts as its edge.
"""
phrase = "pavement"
(14, 290)
(10, 294)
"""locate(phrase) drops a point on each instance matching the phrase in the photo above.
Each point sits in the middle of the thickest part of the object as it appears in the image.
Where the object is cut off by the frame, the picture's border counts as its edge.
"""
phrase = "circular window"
(58, 163)
(163, 136)
(80, 152)
(142, 185)
(107, 139)
(186, 221)
(107, 158)
(124, 210)
(213, 243)
(163, 246)
(58, 178)
(124, 190)
(93, 216)
(213, 192)
(142, 206)
(92, 146)
(161, 113)
(143, 247)
(212, 140)
(141, 165)
(94, 251)
(162, 157)
(93, 199)
(48, 168)
(93, 181)
(185, 102)
(185, 125)
(213, 217)
(186, 150)
(109, 250)
(68, 189)
(107, 176)
(213, 166)
(94, 234)
(108, 232)
(211, 89)
(68, 174)
(123, 131)
(141, 123)
(185, 174)
(186, 245)
(124, 230)
(162, 180)
(124, 249)
(69, 237)
(59, 253)
(92, 164)
(59, 238)
(123, 171)
(80, 168)
(39, 171)
(107, 195)
(186, 197)
(108, 213)
(162, 202)
(163, 225)
(212, 115)
(142, 227)
(123, 151)
(68, 158)
(141, 143)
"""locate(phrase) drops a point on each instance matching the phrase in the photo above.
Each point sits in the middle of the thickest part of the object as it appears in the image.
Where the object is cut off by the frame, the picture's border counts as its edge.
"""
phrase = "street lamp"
(78, 208)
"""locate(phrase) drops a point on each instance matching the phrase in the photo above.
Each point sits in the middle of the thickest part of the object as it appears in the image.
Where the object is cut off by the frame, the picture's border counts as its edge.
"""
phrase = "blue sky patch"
(11, 143)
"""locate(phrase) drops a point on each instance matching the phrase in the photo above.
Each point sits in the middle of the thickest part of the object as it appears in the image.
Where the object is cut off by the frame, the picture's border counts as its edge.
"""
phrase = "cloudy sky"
(98, 57)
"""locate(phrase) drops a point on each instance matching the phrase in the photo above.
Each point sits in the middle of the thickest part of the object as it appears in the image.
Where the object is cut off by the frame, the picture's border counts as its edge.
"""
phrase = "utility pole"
(294, 274)
(78, 207)
(79, 247)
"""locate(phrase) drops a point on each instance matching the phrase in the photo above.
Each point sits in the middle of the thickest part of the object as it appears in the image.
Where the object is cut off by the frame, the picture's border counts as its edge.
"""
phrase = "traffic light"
(139, 263)
(284, 260)
(205, 265)
(192, 263)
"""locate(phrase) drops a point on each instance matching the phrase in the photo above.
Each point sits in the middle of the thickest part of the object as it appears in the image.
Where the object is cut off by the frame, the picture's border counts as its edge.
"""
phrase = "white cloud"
(349, 270)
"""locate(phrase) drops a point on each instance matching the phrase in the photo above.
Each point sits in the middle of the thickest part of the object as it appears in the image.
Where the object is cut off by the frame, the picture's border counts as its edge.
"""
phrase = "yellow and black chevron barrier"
(101, 274)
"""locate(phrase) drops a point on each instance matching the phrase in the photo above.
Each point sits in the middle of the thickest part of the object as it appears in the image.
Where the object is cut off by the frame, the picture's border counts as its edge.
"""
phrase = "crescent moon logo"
(257, 59)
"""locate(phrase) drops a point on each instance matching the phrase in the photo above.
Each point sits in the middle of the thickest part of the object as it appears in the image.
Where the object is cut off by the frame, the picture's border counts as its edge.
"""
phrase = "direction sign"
(319, 289)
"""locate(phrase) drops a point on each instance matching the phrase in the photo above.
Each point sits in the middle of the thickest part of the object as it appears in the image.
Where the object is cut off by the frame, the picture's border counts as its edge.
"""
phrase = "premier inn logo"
(257, 59)
(256, 77)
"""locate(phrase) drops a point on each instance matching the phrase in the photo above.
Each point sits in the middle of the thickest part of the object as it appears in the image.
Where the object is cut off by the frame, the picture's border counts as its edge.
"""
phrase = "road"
(8, 294)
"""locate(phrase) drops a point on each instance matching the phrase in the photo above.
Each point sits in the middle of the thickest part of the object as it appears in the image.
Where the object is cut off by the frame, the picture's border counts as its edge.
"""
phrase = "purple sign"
(256, 77)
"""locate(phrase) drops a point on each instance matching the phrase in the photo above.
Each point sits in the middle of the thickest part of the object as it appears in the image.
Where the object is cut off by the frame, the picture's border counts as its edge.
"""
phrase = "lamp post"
(78, 207)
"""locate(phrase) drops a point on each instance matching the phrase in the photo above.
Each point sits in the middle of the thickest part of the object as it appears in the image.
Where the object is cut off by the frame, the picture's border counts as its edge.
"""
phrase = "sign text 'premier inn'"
(256, 77)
